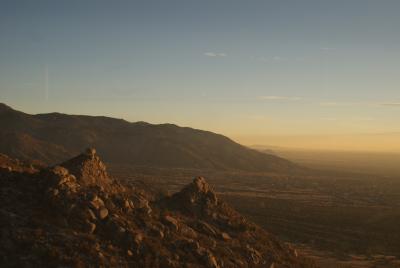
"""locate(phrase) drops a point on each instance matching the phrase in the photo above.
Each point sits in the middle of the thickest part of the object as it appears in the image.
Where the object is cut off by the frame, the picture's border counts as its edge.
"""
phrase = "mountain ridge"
(54, 137)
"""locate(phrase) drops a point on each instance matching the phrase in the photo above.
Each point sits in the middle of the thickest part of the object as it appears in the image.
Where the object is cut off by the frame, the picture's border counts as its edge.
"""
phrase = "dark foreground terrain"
(75, 215)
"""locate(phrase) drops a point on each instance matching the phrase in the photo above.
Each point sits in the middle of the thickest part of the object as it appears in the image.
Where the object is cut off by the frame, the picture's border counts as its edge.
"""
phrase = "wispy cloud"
(214, 54)
(353, 119)
(329, 119)
(327, 48)
(271, 59)
(276, 98)
(364, 103)
(333, 103)
(257, 117)
(392, 104)
(278, 58)
(363, 119)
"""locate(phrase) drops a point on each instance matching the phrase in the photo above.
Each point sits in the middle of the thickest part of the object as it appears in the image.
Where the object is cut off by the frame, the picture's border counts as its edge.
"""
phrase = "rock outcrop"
(88, 169)
(75, 215)
(197, 198)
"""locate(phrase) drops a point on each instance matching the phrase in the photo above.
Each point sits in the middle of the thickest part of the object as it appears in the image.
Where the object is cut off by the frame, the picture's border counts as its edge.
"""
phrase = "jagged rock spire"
(88, 168)
(197, 197)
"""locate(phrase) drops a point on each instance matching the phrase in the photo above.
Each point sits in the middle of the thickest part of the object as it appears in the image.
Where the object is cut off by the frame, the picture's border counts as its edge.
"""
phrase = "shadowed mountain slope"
(54, 137)
(75, 215)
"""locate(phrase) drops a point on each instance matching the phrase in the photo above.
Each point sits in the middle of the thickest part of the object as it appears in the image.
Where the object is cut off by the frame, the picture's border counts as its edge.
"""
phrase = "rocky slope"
(75, 215)
(52, 138)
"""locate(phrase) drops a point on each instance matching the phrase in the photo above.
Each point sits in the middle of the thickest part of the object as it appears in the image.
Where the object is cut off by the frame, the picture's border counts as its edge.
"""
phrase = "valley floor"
(339, 220)
(327, 259)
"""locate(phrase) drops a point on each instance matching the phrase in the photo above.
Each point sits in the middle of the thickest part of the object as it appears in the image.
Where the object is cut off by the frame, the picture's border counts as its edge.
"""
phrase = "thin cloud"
(262, 59)
(332, 103)
(271, 59)
(364, 119)
(214, 54)
(329, 119)
(327, 48)
(257, 117)
(392, 104)
(278, 58)
(371, 104)
(284, 98)
(353, 119)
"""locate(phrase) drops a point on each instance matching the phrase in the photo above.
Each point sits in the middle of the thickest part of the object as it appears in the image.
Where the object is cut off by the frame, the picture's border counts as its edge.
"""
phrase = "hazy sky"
(253, 70)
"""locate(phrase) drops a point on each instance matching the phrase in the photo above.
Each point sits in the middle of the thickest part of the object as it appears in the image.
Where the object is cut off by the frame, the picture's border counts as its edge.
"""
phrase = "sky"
(318, 74)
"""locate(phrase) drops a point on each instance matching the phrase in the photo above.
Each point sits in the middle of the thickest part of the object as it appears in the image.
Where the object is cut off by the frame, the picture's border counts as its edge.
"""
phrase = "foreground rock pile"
(75, 215)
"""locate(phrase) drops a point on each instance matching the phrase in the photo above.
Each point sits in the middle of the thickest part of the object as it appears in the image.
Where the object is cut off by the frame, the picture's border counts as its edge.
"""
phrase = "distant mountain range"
(54, 137)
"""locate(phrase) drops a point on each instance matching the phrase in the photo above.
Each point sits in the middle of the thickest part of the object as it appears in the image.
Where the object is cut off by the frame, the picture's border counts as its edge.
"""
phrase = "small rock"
(211, 262)
(55, 192)
(140, 201)
(129, 253)
(212, 198)
(103, 213)
(188, 232)
(121, 230)
(295, 253)
(72, 178)
(63, 180)
(109, 205)
(225, 236)
(167, 262)
(126, 204)
(160, 233)
(90, 227)
(213, 243)
(91, 196)
(91, 215)
(61, 171)
(138, 238)
(115, 227)
(171, 222)
(146, 210)
(206, 228)
(201, 184)
(156, 231)
(255, 255)
(97, 203)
